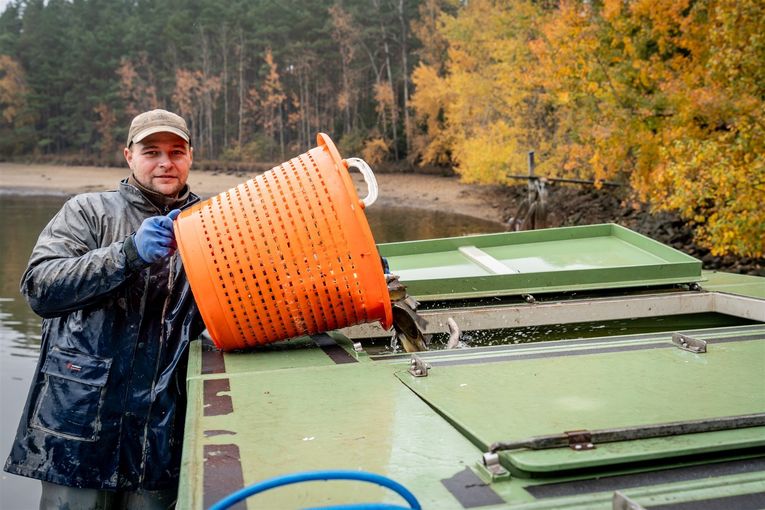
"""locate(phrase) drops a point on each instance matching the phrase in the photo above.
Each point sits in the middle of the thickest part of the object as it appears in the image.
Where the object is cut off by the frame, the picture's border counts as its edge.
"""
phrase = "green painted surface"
(514, 400)
(355, 416)
(743, 285)
(591, 253)
(190, 487)
(360, 416)
(297, 353)
(552, 260)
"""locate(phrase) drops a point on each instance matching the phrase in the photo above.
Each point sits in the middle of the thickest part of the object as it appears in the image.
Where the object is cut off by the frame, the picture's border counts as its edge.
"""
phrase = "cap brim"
(159, 129)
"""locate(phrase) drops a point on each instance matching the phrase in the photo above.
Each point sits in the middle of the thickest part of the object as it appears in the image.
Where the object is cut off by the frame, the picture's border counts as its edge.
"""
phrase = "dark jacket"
(106, 406)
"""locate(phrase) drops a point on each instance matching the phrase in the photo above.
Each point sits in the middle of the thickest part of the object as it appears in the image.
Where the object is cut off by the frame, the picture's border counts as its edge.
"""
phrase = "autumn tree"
(138, 93)
(13, 89)
(345, 37)
(666, 95)
(105, 125)
(481, 111)
(272, 100)
(712, 160)
(15, 117)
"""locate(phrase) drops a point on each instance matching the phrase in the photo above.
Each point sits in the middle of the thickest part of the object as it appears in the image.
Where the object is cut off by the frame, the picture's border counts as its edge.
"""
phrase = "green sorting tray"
(551, 260)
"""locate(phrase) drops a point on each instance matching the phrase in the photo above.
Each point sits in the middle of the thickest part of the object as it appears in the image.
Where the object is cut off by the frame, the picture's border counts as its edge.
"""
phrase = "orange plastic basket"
(285, 254)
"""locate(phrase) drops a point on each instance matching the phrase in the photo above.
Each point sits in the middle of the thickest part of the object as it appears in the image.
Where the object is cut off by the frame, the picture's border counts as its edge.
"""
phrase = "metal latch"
(689, 343)
(580, 440)
(622, 502)
(491, 462)
(417, 367)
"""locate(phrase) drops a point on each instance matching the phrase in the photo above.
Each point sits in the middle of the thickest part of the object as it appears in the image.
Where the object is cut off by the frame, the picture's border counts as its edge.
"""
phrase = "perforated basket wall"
(285, 254)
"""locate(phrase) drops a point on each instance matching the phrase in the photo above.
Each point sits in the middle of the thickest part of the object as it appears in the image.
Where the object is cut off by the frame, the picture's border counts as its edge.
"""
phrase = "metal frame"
(569, 312)
(575, 439)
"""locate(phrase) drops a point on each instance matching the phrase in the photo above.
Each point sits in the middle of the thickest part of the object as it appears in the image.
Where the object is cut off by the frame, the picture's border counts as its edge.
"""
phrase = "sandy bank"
(411, 190)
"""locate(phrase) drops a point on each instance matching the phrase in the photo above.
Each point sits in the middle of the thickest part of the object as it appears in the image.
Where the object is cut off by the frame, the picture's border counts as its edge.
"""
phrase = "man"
(103, 422)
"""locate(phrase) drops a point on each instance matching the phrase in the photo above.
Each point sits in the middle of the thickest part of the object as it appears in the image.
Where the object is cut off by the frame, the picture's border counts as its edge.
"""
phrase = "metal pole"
(531, 164)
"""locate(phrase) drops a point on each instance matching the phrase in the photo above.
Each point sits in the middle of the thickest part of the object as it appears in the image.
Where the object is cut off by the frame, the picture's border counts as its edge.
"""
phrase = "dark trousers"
(61, 497)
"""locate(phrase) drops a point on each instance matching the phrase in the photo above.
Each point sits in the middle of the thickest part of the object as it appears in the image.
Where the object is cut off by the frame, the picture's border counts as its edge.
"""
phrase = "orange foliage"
(272, 95)
(138, 92)
(105, 125)
(13, 89)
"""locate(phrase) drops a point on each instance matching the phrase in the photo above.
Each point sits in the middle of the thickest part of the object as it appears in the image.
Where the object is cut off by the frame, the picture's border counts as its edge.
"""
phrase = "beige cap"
(156, 121)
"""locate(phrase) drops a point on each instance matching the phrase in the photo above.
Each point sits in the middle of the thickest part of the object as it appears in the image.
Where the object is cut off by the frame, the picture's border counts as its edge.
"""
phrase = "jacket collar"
(134, 196)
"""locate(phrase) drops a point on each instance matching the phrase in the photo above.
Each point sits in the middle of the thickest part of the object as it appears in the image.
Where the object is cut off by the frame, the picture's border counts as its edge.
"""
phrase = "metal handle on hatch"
(369, 178)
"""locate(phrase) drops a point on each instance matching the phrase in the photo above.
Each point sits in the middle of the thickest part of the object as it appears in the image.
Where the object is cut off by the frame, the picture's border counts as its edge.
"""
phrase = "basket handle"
(369, 178)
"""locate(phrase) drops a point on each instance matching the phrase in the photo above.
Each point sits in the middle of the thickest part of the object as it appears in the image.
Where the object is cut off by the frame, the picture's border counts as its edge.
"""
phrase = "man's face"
(160, 162)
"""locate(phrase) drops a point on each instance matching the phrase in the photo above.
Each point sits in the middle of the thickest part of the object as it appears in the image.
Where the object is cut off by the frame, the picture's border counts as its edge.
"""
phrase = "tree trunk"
(281, 128)
(241, 88)
(207, 102)
(394, 108)
(224, 47)
(301, 108)
(378, 79)
(405, 72)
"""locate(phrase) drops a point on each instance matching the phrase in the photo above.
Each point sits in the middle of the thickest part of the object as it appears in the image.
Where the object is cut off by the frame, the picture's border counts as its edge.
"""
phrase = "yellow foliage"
(384, 97)
(484, 156)
(375, 151)
(434, 145)
(483, 100)
(668, 95)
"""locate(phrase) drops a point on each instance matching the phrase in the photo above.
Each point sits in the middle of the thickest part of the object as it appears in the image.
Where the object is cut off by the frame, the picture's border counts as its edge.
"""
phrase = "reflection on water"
(21, 220)
(392, 224)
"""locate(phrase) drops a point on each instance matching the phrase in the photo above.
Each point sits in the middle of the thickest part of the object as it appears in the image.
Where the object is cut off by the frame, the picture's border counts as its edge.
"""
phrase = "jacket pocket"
(70, 402)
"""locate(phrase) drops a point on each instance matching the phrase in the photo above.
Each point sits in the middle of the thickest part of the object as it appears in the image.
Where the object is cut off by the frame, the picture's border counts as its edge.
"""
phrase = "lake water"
(21, 220)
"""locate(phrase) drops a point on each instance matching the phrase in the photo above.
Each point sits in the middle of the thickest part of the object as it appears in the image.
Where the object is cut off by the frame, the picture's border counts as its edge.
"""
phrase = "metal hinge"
(491, 463)
(417, 367)
(689, 343)
(580, 440)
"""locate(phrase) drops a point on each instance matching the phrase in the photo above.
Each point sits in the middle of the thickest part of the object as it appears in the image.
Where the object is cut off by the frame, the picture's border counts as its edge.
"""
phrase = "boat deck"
(318, 403)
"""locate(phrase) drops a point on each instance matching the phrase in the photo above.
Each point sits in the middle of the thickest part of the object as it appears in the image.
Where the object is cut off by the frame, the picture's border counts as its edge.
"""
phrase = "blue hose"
(309, 476)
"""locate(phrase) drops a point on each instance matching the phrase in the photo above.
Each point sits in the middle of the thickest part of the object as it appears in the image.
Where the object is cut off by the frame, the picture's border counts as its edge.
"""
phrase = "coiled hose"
(310, 476)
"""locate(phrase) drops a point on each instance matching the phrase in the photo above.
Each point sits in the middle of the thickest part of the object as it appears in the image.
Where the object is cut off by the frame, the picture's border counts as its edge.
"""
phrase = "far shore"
(419, 191)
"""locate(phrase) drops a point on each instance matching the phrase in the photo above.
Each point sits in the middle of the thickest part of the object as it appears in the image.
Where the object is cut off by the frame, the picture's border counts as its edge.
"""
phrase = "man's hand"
(155, 238)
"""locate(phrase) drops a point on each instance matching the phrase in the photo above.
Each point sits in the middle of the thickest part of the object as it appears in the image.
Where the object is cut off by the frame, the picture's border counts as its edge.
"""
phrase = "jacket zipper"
(160, 353)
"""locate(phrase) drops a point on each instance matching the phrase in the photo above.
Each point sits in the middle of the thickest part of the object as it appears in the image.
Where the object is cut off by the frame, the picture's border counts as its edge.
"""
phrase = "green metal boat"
(597, 369)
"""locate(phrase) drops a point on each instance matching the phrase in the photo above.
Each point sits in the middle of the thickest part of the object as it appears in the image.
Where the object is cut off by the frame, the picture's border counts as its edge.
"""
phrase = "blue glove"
(155, 238)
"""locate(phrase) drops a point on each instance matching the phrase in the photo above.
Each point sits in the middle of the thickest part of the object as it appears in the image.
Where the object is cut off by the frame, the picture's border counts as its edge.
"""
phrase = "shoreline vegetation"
(567, 205)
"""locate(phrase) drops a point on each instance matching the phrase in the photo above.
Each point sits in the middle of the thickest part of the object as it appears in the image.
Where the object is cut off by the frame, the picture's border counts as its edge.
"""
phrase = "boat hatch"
(553, 260)
(609, 398)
